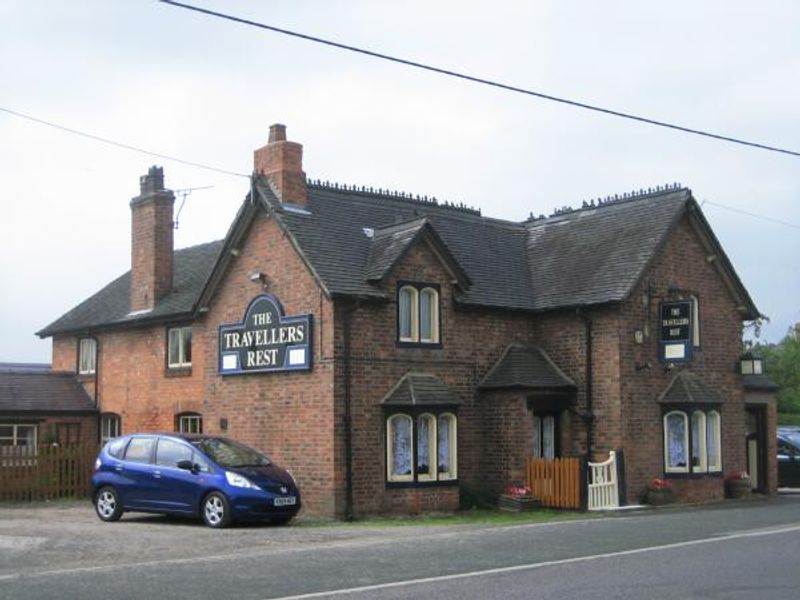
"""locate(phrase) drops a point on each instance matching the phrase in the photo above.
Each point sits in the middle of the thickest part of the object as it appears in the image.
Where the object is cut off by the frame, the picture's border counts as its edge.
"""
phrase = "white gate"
(603, 490)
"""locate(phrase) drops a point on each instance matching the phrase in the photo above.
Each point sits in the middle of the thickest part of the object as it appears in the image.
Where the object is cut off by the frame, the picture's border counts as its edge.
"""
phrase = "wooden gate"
(603, 486)
(556, 482)
(46, 472)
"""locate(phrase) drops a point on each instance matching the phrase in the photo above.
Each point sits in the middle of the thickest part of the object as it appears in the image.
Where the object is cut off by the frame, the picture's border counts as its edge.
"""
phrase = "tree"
(782, 362)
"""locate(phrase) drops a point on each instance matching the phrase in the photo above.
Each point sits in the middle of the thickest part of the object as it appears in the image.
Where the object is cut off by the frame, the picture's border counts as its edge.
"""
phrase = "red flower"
(517, 490)
(737, 476)
(660, 484)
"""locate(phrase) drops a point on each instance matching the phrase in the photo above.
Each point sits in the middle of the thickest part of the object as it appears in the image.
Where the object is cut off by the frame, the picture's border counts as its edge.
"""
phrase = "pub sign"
(265, 341)
(675, 331)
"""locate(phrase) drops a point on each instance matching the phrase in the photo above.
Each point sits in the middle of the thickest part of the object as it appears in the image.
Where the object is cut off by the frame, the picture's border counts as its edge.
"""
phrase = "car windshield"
(792, 436)
(227, 453)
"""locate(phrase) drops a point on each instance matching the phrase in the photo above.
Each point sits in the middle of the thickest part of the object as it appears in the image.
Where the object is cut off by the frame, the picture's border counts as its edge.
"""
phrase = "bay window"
(692, 441)
(421, 448)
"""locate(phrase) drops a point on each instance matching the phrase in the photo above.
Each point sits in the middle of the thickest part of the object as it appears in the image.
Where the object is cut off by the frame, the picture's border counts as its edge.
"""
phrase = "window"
(418, 314)
(87, 356)
(421, 449)
(110, 426)
(695, 322)
(545, 430)
(179, 351)
(17, 440)
(140, 449)
(189, 423)
(692, 442)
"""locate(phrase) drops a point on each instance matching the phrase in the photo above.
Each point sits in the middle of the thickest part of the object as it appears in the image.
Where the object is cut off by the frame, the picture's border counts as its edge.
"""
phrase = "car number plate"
(286, 501)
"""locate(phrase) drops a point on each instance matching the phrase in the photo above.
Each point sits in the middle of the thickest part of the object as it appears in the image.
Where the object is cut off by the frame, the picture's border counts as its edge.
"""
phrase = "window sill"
(421, 484)
(704, 475)
(178, 372)
(426, 345)
(86, 376)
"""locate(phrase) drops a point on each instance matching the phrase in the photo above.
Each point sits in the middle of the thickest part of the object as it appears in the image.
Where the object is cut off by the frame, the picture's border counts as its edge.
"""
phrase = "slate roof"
(27, 389)
(687, 387)
(350, 239)
(762, 383)
(526, 367)
(421, 389)
(111, 305)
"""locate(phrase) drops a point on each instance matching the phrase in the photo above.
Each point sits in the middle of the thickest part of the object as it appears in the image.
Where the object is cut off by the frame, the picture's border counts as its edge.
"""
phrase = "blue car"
(212, 477)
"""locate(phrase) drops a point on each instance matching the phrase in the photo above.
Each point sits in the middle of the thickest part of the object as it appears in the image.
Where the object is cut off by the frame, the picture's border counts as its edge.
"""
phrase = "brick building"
(395, 351)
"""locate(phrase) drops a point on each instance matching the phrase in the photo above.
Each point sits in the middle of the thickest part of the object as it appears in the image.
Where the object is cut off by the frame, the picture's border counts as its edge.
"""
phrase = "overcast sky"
(206, 90)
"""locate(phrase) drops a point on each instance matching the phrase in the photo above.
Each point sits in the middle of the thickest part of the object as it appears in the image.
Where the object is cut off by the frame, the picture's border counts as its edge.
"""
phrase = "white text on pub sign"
(266, 340)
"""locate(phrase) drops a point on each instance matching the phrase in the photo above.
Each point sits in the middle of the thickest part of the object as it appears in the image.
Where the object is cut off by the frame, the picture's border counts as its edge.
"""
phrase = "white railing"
(603, 490)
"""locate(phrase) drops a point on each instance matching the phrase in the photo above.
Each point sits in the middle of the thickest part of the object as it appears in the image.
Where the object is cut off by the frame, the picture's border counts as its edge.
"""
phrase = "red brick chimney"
(151, 241)
(282, 163)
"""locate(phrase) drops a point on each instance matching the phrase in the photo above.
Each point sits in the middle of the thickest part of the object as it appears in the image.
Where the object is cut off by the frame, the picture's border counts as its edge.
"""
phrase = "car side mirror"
(185, 464)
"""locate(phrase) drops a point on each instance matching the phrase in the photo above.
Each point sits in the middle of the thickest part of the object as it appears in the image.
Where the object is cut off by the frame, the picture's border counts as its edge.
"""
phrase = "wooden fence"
(46, 472)
(556, 482)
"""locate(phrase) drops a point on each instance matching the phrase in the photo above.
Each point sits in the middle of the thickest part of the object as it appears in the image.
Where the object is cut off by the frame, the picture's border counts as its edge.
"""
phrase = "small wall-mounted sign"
(265, 341)
(675, 331)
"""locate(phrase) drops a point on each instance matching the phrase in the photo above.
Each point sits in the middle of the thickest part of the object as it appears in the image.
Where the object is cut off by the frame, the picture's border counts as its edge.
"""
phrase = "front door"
(755, 441)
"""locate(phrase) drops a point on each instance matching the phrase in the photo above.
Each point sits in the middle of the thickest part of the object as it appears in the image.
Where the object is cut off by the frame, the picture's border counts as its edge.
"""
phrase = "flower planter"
(737, 488)
(660, 496)
(517, 503)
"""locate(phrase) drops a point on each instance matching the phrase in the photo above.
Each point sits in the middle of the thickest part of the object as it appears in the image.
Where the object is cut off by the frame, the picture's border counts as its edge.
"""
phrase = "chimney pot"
(281, 162)
(153, 181)
(277, 133)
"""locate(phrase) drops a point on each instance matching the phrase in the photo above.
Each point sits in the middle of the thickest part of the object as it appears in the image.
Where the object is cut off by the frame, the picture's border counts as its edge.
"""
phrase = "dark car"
(789, 456)
(212, 477)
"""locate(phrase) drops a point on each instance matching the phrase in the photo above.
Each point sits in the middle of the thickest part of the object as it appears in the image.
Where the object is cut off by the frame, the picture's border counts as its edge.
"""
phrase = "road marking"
(533, 566)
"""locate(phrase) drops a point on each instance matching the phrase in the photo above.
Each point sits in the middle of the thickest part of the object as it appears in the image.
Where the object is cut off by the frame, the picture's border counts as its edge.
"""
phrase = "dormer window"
(418, 314)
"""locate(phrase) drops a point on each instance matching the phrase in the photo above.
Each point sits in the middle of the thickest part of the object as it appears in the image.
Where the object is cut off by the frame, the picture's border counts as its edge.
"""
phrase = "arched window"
(699, 456)
(447, 441)
(399, 433)
(429, 315)
(426, 447)
(110, 426)
(189, 422)
(713, 441)
(407, 314)
(676, 442)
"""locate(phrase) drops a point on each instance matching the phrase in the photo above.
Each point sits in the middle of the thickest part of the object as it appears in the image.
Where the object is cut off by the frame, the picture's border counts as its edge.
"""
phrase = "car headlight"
(291, 476)
(237, 480)
(97, 463)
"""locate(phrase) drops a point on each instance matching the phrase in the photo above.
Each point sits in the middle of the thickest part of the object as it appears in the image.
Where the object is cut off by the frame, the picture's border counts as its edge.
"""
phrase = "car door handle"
(118, 468)
(157, 474)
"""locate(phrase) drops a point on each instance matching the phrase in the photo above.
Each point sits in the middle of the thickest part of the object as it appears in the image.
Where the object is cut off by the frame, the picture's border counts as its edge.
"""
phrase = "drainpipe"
(589, 416)
(348, 427)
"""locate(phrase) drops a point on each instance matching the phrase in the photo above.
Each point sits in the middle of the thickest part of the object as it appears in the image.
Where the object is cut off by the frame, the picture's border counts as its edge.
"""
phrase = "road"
(746, 550)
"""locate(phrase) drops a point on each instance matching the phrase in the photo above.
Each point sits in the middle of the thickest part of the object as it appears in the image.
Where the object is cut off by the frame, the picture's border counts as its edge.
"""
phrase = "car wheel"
(107, 504)
(216, 510)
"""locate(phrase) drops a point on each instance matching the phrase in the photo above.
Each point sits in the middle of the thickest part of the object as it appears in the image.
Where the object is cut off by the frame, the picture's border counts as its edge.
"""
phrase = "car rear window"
(116, 447)
(140, 449)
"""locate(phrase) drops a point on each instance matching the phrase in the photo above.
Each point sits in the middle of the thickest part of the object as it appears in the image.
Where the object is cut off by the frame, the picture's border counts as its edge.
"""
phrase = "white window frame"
(667, 467)
(179, 337)
(695, 322)
(433, 475)
(5, 453)
(186, 420)
(412, 316)
(433, 448)
(390, 474)
(87, 356)
(434, 315)
(714, 417)
(107, 430)
(452, 451)
(698, 434)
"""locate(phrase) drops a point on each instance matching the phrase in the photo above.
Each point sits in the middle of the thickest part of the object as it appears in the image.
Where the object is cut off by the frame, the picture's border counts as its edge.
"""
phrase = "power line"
(754, 215)
(226, 172)
(481, 80)
(97, 138)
